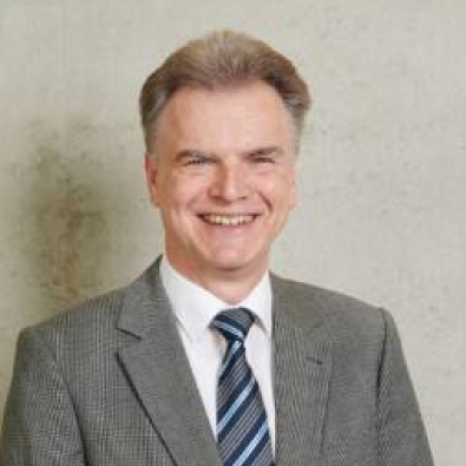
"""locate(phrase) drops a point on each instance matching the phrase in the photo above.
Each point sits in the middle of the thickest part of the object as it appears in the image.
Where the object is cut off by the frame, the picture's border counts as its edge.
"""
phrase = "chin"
(229, 266)
(234, 261)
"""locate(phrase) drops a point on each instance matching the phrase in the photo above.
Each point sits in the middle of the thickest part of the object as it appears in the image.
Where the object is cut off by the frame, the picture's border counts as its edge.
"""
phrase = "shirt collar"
(195, 307)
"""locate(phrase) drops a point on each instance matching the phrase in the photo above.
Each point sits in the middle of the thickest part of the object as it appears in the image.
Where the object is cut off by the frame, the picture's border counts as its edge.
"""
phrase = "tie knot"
(234, 324)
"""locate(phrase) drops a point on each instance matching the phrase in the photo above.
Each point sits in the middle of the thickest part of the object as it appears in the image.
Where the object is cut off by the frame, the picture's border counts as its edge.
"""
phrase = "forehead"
(250, 114)
(235, 95)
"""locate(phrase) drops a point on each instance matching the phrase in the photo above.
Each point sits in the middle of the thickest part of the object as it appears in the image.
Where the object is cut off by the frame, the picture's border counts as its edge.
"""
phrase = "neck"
(231, 285)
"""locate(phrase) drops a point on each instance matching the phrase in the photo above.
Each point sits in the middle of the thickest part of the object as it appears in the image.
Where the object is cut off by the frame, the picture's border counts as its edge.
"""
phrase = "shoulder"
(340, 314)
(362, 336)
(92, 327)
(101, 325)
(81, 333)
(101, 314)
(100, 310)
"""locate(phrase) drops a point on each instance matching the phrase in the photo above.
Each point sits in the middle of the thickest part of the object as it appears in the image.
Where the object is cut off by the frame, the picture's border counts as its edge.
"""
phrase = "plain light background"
(382, 172)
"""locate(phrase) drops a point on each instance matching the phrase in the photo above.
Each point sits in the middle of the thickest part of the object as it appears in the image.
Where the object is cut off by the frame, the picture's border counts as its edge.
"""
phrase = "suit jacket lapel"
(161, 375)
(302, 353)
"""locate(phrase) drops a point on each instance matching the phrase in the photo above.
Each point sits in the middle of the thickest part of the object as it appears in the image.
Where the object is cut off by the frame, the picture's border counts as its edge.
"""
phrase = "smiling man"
(209, 359)
(221, 171)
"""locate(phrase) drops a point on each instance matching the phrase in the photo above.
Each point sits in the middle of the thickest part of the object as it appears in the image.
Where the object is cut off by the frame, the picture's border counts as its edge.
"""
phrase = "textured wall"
(383, 170)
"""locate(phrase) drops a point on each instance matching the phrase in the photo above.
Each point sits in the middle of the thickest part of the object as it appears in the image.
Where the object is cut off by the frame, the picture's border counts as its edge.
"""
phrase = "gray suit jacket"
(109, 384)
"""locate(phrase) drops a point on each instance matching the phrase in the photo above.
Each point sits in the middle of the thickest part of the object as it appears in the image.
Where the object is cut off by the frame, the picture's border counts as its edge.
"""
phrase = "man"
(207, 358)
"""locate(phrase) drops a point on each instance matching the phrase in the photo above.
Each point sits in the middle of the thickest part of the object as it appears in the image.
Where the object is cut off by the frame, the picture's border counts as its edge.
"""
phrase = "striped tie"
(242, 430)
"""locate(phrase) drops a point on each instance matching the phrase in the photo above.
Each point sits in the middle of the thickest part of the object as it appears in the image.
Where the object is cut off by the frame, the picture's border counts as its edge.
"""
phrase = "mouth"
(229, 220)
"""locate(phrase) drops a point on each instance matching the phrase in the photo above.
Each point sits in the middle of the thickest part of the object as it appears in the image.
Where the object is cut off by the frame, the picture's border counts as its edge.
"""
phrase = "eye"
(194, 160)
(263, 159)
(267, 156)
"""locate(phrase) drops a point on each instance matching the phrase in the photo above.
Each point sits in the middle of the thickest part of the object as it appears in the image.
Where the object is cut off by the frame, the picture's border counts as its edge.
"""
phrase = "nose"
(230, 183)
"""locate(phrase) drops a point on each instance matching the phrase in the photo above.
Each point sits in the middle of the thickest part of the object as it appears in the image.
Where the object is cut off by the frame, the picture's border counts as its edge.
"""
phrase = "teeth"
(228, 220)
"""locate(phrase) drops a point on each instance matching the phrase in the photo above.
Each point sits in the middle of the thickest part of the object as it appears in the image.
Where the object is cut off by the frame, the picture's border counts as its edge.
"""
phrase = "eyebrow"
(273, 151)
(266, 151)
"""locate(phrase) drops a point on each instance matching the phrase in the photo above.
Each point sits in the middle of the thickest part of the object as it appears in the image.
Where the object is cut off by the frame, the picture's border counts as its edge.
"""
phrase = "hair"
(218, 60)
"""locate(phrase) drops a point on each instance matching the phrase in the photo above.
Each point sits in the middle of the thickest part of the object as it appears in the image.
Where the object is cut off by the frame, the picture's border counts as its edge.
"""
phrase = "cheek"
(180, 192)
(293, 196)
(281, 191)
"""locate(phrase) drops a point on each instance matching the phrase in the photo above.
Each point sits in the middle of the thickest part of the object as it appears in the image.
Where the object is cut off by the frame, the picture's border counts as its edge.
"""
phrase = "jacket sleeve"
(40, 426)
(402, 437)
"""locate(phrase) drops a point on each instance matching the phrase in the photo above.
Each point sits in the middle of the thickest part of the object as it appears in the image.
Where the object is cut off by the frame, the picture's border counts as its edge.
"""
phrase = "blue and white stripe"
(242, 430)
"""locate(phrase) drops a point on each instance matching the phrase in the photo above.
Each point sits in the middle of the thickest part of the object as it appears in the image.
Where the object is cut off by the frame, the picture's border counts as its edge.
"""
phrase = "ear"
(151, 171)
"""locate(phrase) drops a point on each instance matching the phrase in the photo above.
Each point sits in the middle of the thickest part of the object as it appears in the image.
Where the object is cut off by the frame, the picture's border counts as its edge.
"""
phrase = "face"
(222, 176)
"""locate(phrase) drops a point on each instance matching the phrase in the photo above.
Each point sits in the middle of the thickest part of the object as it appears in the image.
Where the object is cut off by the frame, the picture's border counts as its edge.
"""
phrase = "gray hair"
(218, 60)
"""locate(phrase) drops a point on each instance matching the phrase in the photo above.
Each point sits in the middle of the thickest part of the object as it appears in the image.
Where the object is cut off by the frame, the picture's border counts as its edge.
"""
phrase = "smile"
(228, 220)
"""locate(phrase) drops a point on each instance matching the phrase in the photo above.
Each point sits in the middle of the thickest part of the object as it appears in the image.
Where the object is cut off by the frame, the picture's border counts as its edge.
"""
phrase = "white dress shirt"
(194, 308)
